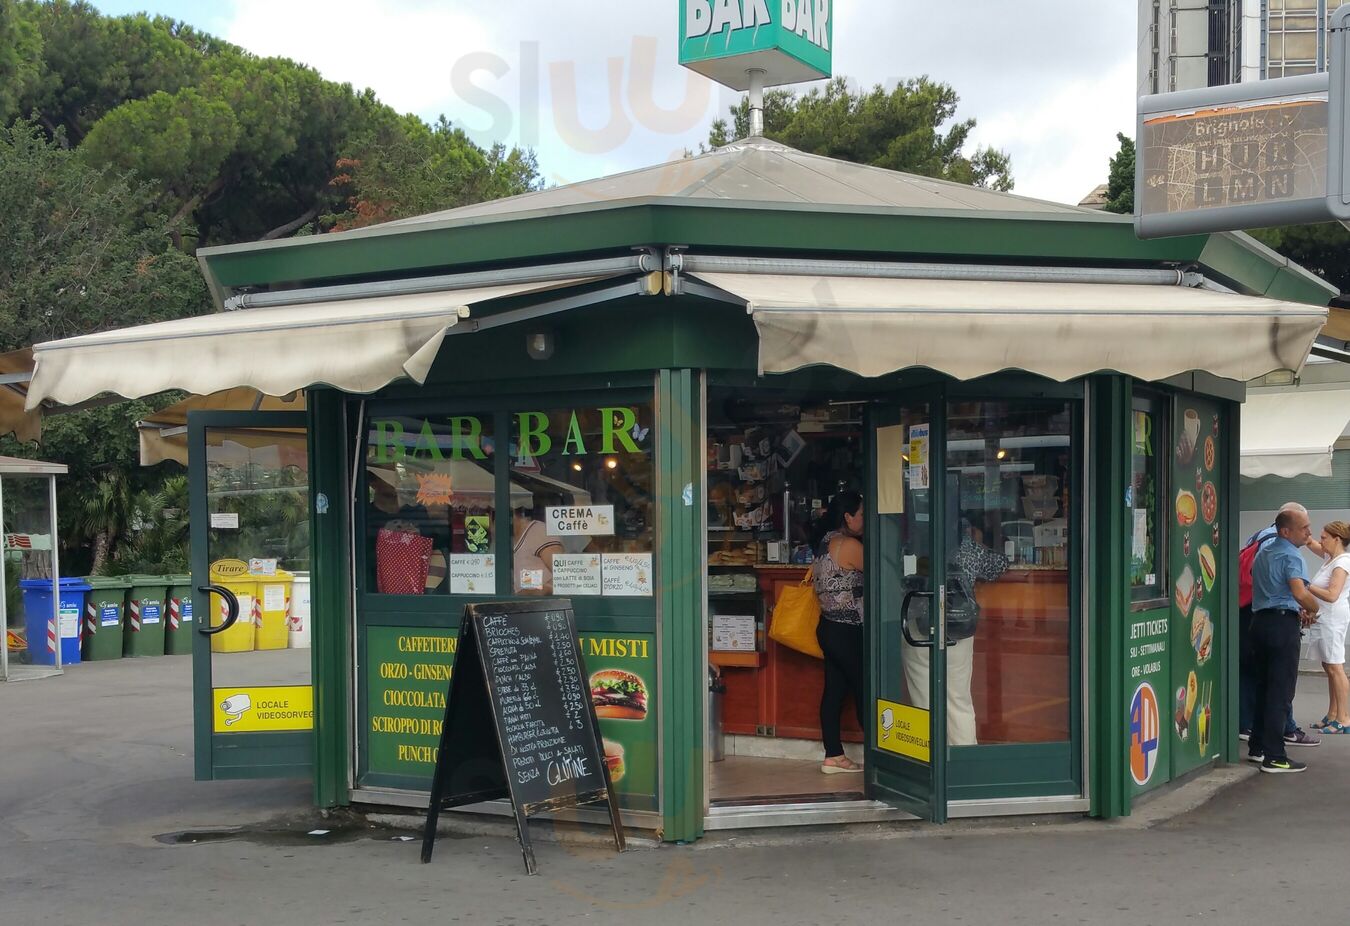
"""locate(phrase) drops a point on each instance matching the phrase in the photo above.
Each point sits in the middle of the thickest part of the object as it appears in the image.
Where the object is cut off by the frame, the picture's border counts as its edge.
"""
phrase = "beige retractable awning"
(163, 434)
(1291, 434)
(357, 345)
(970, 328)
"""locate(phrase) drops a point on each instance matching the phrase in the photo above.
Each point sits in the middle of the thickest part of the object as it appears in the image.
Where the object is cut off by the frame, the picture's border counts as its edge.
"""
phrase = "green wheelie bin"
(101, 635)
(178, 616)
(145, 617)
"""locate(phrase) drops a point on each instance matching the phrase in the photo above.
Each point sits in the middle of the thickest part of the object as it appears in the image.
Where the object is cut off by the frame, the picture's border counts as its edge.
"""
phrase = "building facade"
(1189, 44)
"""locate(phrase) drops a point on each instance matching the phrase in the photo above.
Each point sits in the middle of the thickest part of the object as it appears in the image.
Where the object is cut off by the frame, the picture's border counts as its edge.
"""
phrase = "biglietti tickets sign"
(790, 40)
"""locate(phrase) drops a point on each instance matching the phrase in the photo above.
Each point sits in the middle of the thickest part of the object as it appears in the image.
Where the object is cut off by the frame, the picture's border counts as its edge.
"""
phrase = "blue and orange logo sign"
(1144, 733)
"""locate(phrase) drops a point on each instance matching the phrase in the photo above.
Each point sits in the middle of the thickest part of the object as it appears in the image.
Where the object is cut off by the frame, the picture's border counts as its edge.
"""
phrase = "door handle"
(904, 619)
(231, 609)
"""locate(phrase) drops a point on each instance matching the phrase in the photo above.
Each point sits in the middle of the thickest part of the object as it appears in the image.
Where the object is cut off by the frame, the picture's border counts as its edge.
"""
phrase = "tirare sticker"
(150, 613)
(109, 616)
(262, 710)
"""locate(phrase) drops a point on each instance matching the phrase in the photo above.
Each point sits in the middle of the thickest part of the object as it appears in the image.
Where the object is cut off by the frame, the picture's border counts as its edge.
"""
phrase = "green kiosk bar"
(641, 393)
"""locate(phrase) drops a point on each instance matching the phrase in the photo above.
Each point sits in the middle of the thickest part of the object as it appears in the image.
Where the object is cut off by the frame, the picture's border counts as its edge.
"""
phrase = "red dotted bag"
(402, 560)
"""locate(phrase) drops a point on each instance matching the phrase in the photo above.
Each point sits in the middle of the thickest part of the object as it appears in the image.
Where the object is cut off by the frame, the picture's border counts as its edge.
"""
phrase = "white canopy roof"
(971, 328)
(1292, 433)
(357, 345)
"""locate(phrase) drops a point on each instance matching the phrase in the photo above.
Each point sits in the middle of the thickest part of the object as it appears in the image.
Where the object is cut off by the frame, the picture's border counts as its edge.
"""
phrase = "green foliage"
(85, 249)
(418, 169)
(20, 51)
(901, 129)
(237, 147)
(159, 541)
(90, 63)
(1120, 183)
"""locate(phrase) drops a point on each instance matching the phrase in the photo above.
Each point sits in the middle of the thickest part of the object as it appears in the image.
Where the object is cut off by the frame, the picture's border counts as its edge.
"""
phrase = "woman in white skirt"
(1326, 639)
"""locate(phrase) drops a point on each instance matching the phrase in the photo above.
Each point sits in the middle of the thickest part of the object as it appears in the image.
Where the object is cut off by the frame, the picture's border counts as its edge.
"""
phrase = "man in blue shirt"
(1294, 735)
(1281, 607)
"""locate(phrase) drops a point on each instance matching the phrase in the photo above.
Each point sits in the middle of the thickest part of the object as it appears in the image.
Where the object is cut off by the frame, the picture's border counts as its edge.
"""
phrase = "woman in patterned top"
(838, 579)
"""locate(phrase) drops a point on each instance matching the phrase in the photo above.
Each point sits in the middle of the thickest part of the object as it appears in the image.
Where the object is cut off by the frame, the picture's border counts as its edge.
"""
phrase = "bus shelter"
(37, 645)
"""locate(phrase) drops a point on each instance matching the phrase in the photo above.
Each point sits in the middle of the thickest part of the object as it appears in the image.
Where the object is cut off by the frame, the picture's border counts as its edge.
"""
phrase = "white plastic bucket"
(297, 620)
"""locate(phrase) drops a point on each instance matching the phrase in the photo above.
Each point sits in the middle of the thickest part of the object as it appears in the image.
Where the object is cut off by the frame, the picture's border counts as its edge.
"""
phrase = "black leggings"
(843, 648)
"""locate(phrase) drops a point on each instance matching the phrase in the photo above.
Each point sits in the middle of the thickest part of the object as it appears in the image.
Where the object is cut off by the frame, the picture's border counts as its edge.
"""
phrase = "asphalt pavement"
(101, 823)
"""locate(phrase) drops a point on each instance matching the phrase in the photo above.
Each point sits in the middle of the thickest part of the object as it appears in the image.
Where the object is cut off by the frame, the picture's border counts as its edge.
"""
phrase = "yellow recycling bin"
(271, 608)
(234, 575)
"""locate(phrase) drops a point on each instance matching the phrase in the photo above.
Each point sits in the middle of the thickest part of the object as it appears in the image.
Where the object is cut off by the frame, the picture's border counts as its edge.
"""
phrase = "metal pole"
(756, 102)
(4, 591)
(56, 569)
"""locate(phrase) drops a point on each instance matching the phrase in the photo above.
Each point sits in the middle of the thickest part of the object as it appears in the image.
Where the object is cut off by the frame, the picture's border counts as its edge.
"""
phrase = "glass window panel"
(430, 505)
(1300, 4)
(1276, 50)
(1012, 500)
(583, 520)
(1147, 563)
(1300, 46)
(1300, 24)
(1294, 71)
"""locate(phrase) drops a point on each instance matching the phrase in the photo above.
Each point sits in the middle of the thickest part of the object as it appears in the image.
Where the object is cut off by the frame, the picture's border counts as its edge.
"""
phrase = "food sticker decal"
(1209, 502)
(1187, 509)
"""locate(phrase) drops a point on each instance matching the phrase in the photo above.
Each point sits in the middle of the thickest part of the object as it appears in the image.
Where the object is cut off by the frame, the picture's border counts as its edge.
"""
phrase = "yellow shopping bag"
(795, 616)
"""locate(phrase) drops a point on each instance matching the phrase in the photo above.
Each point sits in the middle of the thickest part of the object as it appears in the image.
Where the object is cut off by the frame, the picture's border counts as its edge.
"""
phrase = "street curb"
(1166, 805)
(1191, 794)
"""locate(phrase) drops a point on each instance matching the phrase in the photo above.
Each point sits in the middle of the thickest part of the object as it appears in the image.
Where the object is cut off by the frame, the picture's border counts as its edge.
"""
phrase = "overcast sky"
(595, 88)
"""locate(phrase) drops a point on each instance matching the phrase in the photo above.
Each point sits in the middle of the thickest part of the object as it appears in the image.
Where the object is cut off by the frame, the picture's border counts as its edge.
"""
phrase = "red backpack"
(1245, 560)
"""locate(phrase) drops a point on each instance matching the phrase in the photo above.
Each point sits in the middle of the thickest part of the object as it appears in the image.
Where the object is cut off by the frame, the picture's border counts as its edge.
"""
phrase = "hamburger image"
(614, 760)
(619, 695)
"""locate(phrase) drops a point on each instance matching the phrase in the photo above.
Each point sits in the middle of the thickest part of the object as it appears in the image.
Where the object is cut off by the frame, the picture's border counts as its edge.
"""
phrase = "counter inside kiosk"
(773, 463)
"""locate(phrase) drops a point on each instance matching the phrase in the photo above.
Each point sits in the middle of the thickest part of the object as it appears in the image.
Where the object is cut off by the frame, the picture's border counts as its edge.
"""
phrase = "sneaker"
(1282, 766)
(1244, 735)
(1256, 757)
(1301, 737)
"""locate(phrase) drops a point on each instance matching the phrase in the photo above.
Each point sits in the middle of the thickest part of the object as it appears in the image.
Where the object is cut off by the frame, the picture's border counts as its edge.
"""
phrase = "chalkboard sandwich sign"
(519, 720)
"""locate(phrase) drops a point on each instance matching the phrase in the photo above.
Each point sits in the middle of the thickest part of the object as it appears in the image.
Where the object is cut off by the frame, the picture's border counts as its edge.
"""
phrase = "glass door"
(1012, 498)
(906, 740)
(252, 692)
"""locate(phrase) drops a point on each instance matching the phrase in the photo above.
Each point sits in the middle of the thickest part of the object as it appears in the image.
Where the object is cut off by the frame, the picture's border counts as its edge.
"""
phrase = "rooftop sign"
(789, 40)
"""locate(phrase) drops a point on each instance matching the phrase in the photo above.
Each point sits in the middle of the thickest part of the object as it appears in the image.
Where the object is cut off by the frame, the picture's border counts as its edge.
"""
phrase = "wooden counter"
(782, 698)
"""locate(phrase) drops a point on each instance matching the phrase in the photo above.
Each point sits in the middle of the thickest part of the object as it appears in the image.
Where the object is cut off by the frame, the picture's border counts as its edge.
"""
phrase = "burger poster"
(407, 674)
(1197, 606)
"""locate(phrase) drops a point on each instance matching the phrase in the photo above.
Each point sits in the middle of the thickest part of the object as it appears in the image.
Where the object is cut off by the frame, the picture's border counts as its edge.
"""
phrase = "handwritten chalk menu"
(519, 722)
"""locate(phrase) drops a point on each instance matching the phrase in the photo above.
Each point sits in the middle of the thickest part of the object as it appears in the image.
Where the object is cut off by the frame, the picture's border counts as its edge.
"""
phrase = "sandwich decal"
(619, 695)
(1185, 590)
(1208, 567)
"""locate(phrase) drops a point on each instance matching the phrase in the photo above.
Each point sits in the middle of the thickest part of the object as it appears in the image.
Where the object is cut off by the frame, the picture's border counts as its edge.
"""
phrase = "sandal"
(1326, 719)
(851, 769)
(1336, 727)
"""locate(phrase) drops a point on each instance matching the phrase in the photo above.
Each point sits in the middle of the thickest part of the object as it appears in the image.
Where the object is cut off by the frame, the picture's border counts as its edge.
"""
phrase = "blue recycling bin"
(42, 632)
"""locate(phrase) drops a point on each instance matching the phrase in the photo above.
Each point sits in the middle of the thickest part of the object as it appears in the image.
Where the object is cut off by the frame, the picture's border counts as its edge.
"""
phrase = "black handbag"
(970, 563)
